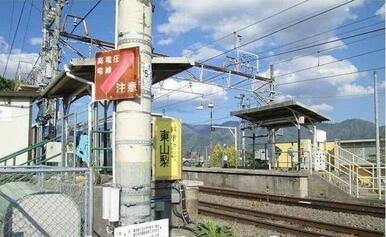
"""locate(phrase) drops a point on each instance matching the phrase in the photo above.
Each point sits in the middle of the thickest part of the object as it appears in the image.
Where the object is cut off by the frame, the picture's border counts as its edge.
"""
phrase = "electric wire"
(323, 43)
(273, 15)
(281, 29)
(330, 76)
(319, 44)
(250, 25)
(95, 5)
(11, 23)
(326, 49)
(328, 31)
(281, 84)
(26, 28)
(336, 61)
(14, 37)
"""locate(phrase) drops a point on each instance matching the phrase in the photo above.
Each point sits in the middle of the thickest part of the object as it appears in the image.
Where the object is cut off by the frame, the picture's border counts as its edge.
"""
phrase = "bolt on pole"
(133, 117)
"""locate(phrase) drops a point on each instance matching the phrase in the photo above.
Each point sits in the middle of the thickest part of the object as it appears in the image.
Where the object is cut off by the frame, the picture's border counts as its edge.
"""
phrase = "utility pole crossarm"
(233, 72)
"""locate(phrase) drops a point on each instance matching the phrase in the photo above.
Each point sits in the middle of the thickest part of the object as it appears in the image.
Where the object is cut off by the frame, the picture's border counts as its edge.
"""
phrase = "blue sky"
(183, 27)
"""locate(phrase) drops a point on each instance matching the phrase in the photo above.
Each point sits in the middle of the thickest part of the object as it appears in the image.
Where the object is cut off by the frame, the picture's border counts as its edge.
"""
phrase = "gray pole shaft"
(211, 139)
(133, 144)
(299, 147)
(377, 146)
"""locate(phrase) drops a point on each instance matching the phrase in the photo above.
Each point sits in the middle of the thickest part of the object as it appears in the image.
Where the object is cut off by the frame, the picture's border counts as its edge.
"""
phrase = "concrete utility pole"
(49, 61)
(133, 142)
(377, 146)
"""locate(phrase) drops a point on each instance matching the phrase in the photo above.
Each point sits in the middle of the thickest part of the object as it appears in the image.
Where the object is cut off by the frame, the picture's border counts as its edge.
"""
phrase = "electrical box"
(52, 149)
(167, 148)
(110, 200)
(321, 135)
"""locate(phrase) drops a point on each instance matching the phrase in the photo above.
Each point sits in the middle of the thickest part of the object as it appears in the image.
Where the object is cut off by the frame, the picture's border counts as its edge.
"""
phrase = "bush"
(216, 156)
(211, 229)
(230, 151)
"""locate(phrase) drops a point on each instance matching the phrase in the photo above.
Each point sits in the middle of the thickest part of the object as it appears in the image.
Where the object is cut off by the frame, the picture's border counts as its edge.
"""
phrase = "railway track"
(377, 211)
(297, 226)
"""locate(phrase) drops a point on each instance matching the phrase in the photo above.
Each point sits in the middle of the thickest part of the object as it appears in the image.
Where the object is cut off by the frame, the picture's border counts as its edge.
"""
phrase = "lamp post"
(210, 106)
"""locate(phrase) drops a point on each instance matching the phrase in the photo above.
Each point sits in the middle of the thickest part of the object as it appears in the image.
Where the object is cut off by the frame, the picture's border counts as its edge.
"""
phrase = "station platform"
(270, 181)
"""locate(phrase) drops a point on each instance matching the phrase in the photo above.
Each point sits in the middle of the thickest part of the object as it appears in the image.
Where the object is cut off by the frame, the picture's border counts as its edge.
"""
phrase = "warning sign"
(158, 228)
(117, 74)
(167, 149)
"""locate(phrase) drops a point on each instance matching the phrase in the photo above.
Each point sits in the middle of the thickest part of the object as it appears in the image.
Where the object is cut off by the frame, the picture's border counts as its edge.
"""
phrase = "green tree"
(6, 84)
(216, 156)
(230, 151)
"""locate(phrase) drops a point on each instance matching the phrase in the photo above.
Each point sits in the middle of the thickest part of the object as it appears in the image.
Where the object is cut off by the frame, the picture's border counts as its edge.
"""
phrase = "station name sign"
(117, 74)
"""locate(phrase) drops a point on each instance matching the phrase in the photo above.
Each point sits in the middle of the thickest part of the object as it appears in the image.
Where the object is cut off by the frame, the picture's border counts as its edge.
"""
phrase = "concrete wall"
(14, 126)
(285, 183)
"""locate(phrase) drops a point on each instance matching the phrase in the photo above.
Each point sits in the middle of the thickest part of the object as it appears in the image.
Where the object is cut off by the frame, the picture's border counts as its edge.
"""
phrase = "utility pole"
(377, 146)
(133, 144)
(49, 62)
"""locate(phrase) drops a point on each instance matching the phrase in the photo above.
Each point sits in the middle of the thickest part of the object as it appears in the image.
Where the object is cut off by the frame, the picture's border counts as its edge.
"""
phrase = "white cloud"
(176, 90)
(221, 19)
(354, 89)
(202, 53)
(26, 63)
(3, 45)
(381, 11)
(328, 86)
(321, 107)
(35, 41)
(166, 41)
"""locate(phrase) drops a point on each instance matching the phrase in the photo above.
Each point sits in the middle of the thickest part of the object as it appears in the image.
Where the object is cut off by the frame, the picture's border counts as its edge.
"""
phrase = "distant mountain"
(196, 137)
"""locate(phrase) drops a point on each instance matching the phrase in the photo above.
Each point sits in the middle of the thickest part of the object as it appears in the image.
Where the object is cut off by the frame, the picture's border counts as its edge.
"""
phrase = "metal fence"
(45, 201)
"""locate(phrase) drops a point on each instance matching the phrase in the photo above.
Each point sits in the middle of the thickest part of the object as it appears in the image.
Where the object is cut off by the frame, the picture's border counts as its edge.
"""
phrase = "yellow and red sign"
(167, 152)
(117, 74)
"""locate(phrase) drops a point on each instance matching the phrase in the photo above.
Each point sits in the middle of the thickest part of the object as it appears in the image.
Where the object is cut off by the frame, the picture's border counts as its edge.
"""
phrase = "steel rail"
(294, 220)
(264, 224)
(378, 211)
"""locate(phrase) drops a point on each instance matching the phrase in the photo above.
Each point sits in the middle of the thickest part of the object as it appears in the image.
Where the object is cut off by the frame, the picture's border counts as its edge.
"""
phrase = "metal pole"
(253, 148)
(377, 146)
(299, 147)
(75, 134)
(105, 152)
(133, 141)
(237, 151)
(209, 164)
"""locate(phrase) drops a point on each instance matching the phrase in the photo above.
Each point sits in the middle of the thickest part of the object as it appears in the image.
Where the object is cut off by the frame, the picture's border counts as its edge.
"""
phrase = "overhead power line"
(14, 37)
(336, 61)
(315, 45)
(95, 5)
(323, 43)
(331, 76)
(281, 29)
(327, 31)
(27, 27)
(250, 25)
(326, 49)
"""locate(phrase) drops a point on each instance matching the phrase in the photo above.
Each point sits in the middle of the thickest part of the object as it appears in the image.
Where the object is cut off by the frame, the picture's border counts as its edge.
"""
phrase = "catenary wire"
(14, 37)
(250, 25)
(281, 29)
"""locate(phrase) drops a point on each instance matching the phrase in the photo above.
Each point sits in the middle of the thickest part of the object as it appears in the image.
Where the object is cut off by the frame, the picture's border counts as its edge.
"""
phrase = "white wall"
(14, 127)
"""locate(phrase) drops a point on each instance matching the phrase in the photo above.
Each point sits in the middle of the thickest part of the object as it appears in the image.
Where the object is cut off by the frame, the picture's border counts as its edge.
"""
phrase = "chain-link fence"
(43, 201)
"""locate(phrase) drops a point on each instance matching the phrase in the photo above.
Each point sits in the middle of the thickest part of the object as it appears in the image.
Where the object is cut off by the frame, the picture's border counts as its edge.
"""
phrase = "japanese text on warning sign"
(117, 74)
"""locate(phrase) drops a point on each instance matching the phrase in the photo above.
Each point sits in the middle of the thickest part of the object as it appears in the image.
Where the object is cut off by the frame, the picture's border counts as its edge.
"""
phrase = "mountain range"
(196, 137)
